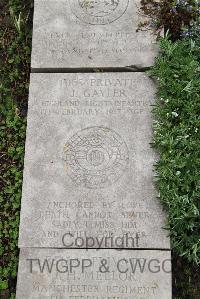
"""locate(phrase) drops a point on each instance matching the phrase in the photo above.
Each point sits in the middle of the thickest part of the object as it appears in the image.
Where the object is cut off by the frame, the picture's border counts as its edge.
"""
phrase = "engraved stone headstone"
(88, 176)
(101, 274)
(90, 34)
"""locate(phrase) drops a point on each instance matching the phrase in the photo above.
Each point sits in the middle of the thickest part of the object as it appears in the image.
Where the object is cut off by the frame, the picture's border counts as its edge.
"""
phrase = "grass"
(177, 133)
(177, 139)
(15, 48)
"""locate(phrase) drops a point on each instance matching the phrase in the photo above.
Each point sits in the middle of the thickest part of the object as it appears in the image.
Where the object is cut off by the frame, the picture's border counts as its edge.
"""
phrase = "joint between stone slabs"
(126, 69)
(93, 248)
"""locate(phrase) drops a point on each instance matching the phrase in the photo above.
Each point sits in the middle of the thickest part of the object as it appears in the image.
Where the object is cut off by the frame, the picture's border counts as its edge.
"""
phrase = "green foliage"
(15, 37)
(179, 17)
(177, 139)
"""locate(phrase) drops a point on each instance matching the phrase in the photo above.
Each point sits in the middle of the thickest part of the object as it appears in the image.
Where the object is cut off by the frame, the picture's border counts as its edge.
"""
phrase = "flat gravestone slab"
(102, 274)
(90, 34)
(88, 163)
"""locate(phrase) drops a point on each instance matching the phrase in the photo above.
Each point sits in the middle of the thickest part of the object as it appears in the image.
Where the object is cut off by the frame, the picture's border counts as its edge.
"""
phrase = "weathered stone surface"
(88, 163)
(84, 34)
(101, 274)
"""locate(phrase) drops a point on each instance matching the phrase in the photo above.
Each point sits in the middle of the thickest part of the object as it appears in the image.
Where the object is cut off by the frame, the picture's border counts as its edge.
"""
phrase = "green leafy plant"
(177, 139)
(179, 17)
(177, 133)
(15, 41)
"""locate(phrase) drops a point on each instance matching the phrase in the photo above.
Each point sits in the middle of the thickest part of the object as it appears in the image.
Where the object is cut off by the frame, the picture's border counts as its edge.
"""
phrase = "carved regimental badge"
(99, 12)
(95, 157)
